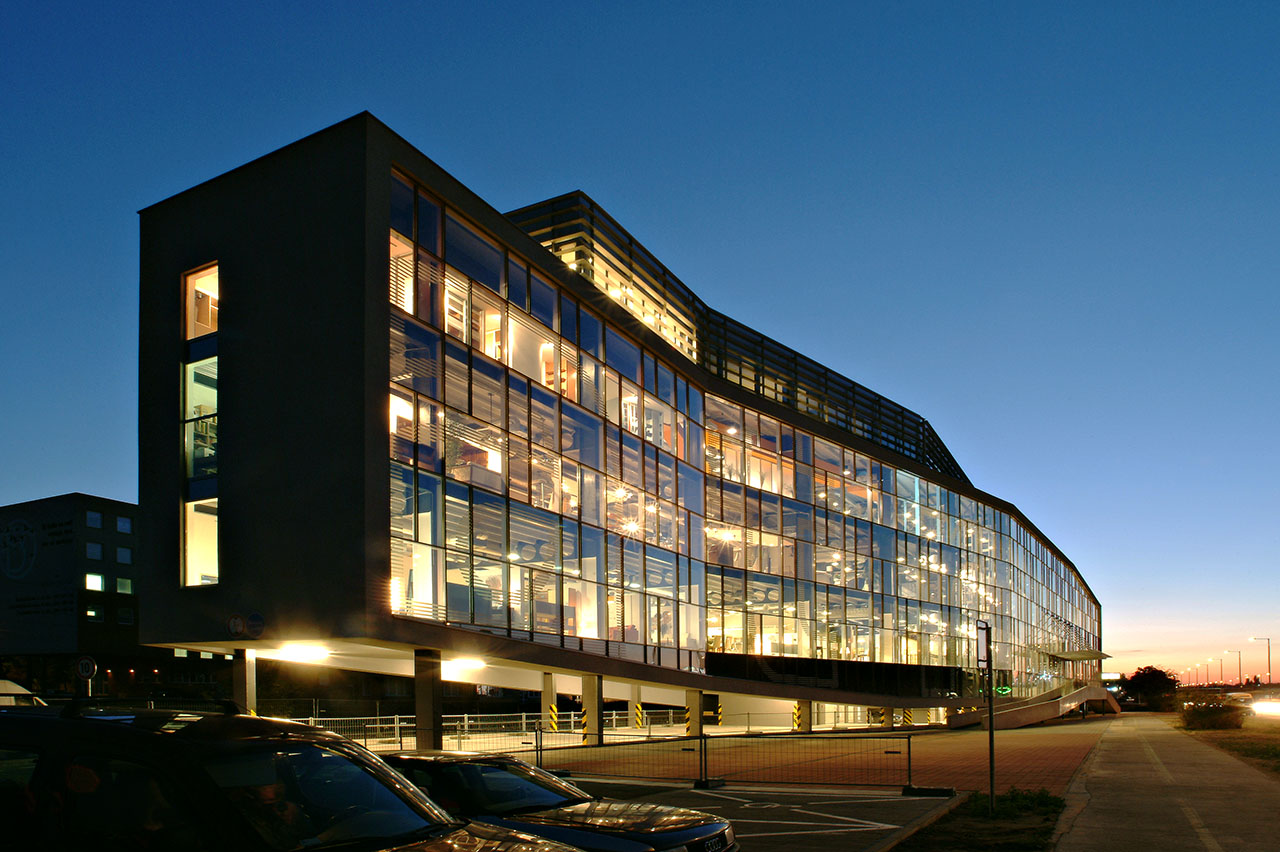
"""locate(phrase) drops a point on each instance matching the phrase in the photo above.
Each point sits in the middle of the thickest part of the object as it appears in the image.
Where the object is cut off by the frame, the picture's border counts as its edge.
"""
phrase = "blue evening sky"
(1051, 229)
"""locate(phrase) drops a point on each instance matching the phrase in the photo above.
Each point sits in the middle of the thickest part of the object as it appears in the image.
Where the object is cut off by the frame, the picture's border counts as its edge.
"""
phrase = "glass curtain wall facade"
(589, 241)
(553, 479)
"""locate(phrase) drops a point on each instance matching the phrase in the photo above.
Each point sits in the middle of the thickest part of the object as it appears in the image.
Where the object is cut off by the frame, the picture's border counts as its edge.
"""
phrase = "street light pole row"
(1239, 665)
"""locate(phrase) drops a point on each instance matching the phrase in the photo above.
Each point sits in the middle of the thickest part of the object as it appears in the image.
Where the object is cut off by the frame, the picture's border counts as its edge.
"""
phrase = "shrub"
(1211, 717)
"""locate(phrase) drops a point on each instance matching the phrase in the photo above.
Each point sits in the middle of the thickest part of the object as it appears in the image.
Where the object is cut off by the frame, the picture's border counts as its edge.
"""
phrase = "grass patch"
(1024, 821)
(1257, 743)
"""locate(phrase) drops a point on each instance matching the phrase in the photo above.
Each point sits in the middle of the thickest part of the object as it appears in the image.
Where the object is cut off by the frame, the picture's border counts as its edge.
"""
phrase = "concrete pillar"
(888, 716)
(693, 709)
(428, 698)
(803, 716)
(244, 679)
(593, 709)
(550, 716)
(635, 708)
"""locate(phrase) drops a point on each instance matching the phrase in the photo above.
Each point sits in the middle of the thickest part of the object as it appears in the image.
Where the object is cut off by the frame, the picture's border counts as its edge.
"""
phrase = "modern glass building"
(422, 429)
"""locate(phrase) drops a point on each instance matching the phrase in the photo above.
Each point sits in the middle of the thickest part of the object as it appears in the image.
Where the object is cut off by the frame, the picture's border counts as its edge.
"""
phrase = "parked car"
(508, 793)
(12, 693)
(120, 779)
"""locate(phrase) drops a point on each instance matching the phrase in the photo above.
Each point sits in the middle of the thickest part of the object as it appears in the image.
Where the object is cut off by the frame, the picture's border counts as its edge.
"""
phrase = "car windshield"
(303, 795)
(472, 788)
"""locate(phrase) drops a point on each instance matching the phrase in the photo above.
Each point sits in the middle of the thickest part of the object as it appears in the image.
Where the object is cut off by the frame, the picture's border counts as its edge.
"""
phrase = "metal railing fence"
(660, 752)
(783, 758)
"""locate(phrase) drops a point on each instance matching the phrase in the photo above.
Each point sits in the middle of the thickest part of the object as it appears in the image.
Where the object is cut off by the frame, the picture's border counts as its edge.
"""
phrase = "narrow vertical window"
(202, 302)
(200, 543)
(200, 413)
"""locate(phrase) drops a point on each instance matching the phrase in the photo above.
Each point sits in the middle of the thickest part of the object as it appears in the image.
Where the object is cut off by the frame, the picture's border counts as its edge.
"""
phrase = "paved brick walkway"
(1029, 758)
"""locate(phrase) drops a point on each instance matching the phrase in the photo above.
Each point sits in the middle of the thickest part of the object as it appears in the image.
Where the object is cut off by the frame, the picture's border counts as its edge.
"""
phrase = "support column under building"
(244, 679)
(693, 712)
(803, 716)
(428, 698)
(635, 708)
(592, 710)
(550, 712)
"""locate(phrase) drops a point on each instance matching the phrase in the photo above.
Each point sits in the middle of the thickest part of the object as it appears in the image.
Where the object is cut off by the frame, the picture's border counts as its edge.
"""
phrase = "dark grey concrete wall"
(298, 327)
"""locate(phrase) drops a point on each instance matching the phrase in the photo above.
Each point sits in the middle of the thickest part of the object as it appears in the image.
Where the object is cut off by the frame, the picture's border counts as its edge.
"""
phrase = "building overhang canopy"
(1078, 656)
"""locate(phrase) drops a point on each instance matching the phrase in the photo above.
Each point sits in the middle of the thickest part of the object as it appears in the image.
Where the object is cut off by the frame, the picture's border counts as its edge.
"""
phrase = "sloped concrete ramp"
(1041, 708)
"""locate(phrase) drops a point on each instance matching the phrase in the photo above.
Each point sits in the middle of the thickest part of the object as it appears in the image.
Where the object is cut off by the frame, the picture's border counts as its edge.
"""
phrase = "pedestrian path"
(1148, 785)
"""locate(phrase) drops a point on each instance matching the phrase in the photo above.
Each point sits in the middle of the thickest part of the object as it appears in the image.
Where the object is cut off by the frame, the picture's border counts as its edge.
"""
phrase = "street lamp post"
(1221, 677)
(1239, 668)
(1197, 680)
(1266, 639)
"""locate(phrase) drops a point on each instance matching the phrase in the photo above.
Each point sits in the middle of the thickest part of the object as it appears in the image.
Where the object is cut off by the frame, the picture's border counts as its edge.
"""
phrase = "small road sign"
(86, 668)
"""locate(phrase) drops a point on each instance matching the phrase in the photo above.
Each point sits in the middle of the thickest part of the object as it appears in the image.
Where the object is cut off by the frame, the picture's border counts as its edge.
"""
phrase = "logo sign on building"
(86, 668)
(254, 625)
(235, 626)
(17, 549)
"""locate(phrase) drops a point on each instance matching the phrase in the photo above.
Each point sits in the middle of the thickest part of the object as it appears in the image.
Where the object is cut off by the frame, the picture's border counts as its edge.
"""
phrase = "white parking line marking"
(818, 831)
(877, 801)
(722, 796)
(819, 824)
(844, 818)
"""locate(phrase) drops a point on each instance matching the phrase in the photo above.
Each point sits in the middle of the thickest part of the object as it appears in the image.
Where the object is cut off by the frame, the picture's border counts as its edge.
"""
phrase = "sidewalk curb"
(918, 823)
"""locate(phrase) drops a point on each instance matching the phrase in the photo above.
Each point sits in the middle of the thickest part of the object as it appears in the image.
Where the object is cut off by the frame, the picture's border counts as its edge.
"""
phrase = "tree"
(1151, 686)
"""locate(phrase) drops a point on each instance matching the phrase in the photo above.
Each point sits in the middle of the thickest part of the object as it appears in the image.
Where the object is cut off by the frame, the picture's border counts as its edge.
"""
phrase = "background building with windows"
(428, 438)
(69, 588)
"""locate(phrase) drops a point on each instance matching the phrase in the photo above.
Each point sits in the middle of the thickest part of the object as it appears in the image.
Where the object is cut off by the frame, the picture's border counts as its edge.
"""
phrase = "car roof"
(197, 730)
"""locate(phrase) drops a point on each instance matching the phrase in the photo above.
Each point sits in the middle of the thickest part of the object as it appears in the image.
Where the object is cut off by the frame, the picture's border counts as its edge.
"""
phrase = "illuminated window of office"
(200, 393)
(200, 543)
(401, 277)
(93, 582)
(202, 302)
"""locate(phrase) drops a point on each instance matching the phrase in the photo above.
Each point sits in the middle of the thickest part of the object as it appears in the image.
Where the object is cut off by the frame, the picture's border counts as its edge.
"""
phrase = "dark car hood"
(620, 817)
